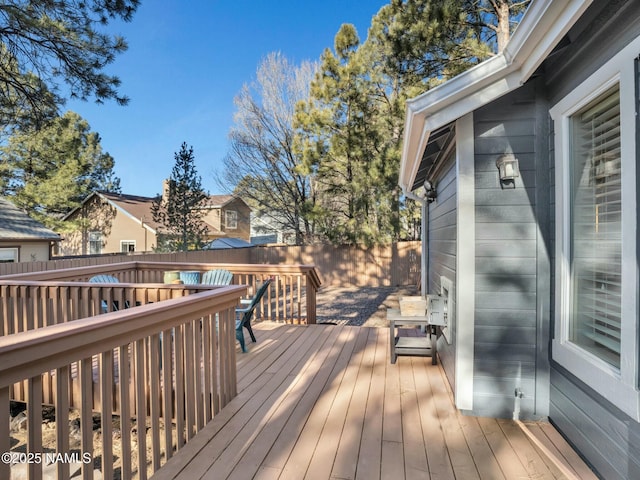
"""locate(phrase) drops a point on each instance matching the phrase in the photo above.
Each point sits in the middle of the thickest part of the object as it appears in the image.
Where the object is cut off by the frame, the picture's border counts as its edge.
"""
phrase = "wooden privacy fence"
(342, 265)
(352, 265)
(291, 297)
(123, 358)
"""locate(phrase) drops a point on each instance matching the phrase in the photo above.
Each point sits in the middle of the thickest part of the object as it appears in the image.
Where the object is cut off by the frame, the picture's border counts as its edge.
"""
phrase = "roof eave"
(541, 28)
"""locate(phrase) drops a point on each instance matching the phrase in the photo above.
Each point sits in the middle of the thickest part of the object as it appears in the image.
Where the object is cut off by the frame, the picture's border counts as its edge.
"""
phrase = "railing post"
(311, 299)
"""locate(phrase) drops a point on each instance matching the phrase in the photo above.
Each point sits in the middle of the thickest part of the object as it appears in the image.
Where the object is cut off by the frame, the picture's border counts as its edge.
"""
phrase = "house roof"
(226, 243)
(15, 224)
(138, 208)
(134, 206)
(219, 201)
(429, 115)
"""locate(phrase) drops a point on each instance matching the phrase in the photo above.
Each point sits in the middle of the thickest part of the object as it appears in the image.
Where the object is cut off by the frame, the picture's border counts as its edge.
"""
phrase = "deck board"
(324, 402)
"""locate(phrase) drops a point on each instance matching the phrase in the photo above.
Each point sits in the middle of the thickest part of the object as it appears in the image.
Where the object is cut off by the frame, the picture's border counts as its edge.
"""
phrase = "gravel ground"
(359, 306)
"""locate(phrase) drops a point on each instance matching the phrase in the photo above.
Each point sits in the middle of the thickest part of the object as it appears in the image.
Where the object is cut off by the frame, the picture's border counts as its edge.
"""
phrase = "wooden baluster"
(190, 367)
(223, 347)
(299, 297)
(167, 391)
(179, 385)
(154, 398)
(206, 355)
(62, 418)
(215, 344)
(141, 409)
(124, 377)
(15, 311)
(75, 303)
(25, 314)
(277, 285)
(34, 425)
(4, 310)
(106, 403)
(198, 370)
(86, 414)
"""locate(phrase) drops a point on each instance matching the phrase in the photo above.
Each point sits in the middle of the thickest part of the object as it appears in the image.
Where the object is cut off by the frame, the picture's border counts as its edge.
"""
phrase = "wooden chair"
(217, 277)
(104, 279)
(243, 316)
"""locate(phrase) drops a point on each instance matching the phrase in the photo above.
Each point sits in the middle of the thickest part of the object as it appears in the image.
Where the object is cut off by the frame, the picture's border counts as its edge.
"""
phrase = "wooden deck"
(324, 402)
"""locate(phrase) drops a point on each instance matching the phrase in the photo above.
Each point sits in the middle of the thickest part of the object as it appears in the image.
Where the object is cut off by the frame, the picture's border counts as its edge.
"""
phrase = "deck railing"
(30, 305)
(291, 297)
(169, 364)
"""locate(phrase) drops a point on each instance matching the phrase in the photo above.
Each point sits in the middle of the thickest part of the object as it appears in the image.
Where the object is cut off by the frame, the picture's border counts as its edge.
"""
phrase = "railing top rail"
(265, 268)
(53, 283)
(309, 271)
(73, 271)
(30, 353)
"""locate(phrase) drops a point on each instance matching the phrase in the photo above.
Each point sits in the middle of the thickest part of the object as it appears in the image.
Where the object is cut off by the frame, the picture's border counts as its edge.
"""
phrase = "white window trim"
(89, 241)
(619, 386)
(14, 250)
(128, 242)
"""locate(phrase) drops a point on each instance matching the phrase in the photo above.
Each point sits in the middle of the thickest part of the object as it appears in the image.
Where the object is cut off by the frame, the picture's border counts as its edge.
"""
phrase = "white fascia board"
(541, 28)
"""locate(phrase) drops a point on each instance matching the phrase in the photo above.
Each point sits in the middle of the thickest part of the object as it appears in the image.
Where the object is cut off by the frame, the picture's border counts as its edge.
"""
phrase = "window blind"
(596, 229)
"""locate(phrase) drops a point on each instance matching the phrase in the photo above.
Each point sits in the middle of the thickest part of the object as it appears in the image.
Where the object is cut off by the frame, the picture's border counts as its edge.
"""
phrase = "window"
(596, 331)
(95, 243)
(231, 219)
(8, 255)
(595, 231)
(127, 246)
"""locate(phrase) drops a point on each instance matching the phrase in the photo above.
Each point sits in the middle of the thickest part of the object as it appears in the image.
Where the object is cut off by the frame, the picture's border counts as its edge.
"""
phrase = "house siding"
(605, 436)
(510, 344)
(30, 251)
(443, 249)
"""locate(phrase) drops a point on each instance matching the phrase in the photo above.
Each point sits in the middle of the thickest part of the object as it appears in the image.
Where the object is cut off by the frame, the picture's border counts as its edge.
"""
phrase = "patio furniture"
(107, 279)
(103, 279)
(243, 316)
(170, 276)
(423, 346)
(218, 276)
(190, 277)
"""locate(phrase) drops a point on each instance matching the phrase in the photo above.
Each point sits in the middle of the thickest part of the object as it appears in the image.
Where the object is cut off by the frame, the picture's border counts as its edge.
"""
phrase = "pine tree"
(179, 210)
(46, 45)
(50, 171)
(337, 144)
(350, 131)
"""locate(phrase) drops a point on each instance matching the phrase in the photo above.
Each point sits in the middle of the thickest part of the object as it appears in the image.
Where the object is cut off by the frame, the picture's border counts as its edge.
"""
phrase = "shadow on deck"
(324, 402)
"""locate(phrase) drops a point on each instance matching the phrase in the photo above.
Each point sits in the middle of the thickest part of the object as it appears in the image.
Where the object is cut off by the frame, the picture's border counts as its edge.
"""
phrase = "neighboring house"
(22, 239)
(228, 216)
(111, 223)
(541, 269)
(266, 229)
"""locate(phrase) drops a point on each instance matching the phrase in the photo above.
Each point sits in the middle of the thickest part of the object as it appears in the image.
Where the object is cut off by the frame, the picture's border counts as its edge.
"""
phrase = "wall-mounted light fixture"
(508, 169)
(429, 191)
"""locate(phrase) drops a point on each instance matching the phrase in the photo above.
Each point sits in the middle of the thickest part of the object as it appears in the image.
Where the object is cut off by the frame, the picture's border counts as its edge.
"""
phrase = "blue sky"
(186, 62)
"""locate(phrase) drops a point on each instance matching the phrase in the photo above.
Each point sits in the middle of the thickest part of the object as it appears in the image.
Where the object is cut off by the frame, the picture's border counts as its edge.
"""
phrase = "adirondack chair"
(102, 278)
(218, 276)
(243, 316)
(190, 277)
